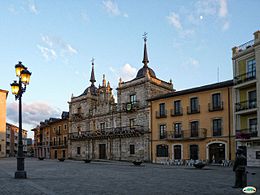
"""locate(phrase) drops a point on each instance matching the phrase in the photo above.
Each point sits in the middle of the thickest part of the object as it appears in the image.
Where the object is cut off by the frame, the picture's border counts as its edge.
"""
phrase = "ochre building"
(59, 137)
(50, 138)
(193, 124)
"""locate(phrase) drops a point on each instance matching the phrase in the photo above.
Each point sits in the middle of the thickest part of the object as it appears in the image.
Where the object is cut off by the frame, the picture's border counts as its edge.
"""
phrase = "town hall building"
(102, 128)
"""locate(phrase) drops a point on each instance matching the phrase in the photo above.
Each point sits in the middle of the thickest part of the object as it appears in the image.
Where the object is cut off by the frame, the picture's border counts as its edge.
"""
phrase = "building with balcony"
(3, 96)
(12, 140)
(42, 138)
(101, 128)
(193, 124)
(246, 71)
(51, 138)
(59, 137)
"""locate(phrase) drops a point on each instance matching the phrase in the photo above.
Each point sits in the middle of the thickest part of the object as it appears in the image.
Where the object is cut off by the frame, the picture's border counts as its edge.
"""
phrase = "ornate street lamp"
(18, 89)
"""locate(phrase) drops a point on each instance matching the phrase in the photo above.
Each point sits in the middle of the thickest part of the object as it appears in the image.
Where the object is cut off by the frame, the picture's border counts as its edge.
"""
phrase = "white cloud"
(33, 113)
(32, 7)
(112, 8)
(190, 63)
(47, 53)
(189, 19)
(223, 11)
(206, 7)
(70, 49)
(126, 72)
(46, 39)
(225, 25)
(174, 20)
(125, 15)
(54, 47)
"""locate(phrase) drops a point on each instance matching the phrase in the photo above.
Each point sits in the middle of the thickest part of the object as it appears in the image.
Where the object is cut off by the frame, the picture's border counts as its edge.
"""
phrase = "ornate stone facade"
(100, 128)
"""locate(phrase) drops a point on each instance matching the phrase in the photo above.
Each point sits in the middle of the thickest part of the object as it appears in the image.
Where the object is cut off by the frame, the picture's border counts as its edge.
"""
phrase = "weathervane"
(145, 36)
(92, 60)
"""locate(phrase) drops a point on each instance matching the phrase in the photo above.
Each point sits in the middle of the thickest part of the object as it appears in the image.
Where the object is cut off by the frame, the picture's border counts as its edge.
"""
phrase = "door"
(102, 151)
(194, 152)
(253, 127)
(55, 154)
(177, 152)
(216, 153)
(63, 154)
(252, 99)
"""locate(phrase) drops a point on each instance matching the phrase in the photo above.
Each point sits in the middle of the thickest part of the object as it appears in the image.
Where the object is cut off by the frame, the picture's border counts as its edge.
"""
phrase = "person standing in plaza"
(240, 169)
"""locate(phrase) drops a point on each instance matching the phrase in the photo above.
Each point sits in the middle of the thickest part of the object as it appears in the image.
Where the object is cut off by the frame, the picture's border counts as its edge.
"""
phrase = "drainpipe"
(229, 126)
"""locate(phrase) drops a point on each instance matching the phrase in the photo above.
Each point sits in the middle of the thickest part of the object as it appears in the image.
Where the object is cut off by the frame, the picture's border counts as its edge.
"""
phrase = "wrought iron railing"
(127, 131)
(245, 105)
(200, 133)
(193, 110)
(246, 133)
(242, 78)
(177, 112)
(216, 107)
(59, 144)
(246, 45)
(161, 114)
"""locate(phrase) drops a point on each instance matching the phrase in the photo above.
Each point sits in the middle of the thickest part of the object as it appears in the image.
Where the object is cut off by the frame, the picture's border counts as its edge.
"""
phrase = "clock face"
(128, 107)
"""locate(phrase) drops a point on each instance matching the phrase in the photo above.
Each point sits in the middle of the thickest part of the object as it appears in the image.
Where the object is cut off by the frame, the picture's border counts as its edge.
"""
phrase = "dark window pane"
(162, 150)
(132, 149)
(162, 131)
(177, 107)
(177, 130)
(194, 150)
(194, 128)
(162, 109)
(194, 104)
(177, 152)
(217, 127)
(216, 100)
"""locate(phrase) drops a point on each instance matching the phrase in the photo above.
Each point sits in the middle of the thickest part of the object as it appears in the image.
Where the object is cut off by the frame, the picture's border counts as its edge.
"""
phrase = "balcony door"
(216, 101)
(251, 69)
(177, 152)
(177, 130)
(194, 104)
(252, 99)
(162, 109)
(194, 152)
(252, 123)
(194, 128)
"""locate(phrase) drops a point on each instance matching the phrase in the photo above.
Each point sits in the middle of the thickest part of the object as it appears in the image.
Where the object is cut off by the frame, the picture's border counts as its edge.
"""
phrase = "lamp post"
(18, 89)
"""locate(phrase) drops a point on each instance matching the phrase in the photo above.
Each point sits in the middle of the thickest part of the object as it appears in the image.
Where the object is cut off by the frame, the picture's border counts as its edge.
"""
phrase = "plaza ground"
(110, 177)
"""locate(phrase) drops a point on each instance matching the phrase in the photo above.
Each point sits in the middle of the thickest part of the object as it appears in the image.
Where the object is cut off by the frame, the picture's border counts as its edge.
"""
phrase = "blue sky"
(188, 41)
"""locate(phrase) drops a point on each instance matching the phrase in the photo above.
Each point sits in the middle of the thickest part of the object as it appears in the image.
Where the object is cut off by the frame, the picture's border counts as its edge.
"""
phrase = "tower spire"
(92, 78)
(145, 59)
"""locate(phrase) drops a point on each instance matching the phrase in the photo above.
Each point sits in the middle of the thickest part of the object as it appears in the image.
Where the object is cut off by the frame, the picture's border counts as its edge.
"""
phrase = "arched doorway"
(216, 152)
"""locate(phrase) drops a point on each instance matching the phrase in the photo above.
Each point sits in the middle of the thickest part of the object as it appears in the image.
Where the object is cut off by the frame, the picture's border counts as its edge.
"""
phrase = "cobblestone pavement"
(110, 177)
